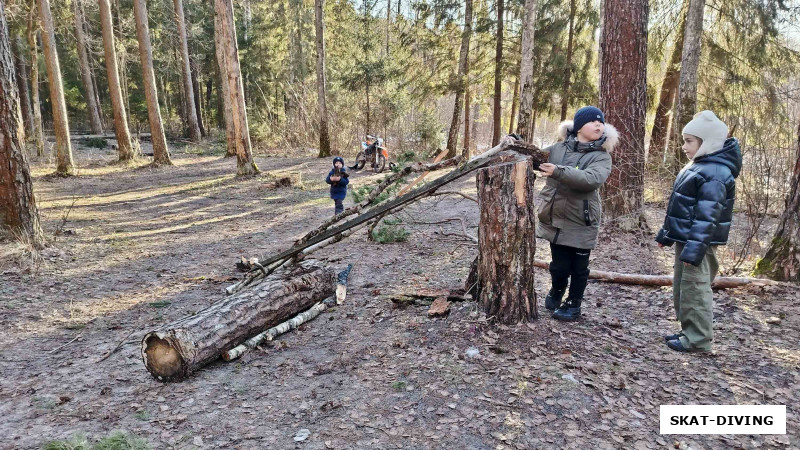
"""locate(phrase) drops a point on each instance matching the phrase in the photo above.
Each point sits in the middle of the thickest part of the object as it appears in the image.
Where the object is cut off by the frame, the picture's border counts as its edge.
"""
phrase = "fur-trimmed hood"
(611, 134)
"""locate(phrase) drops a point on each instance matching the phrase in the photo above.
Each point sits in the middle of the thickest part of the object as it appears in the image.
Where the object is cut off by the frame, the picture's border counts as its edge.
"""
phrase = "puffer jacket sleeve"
(588, 179)
(345, 178)
(328, 178)
(707, 211)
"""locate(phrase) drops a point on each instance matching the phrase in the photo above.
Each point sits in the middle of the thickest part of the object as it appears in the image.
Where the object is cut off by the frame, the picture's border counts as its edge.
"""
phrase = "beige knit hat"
(710, 129)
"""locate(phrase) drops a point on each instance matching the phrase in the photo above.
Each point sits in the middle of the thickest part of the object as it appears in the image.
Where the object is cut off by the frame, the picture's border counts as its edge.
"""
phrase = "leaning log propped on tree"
(182, 347)
(333, 230)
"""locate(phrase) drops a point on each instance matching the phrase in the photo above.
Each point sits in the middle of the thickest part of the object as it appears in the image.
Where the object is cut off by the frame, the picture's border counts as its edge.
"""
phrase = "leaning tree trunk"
(160, 150)
(322, 94)
(22, 85)
(782, 260)
(64, 166)
(184, 346)
(225, 39)
(526, 99)
(124, 145)
(623, 98)
(506, 242)
(461, 81)
(191, 111)
(86, 73)
(686, 97)
(658, 137)
(36, 105)
(17, 204)
(498, 77)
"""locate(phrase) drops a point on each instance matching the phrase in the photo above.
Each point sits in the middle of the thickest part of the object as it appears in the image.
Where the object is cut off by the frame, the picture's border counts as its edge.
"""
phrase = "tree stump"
(182, 347)
(506, 242)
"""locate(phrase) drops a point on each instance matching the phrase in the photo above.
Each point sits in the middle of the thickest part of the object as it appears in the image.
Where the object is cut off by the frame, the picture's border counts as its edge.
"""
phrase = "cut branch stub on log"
(182, 347)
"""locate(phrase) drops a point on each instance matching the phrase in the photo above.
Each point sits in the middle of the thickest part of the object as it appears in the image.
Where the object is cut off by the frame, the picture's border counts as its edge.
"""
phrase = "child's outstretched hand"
(547, 169)
(335, 178)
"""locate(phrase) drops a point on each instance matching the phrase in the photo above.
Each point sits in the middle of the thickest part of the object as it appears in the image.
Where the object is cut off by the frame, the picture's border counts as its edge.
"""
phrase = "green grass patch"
(118, 440)
(399, 385)
(160, 304)
(94, 142)
(389, 233)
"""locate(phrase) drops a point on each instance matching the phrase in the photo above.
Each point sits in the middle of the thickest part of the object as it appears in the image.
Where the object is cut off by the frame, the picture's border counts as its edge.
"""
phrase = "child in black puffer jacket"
(698, 220)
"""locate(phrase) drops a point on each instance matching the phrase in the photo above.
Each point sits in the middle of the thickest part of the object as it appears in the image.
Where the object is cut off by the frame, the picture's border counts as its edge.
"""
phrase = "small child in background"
(338, 179)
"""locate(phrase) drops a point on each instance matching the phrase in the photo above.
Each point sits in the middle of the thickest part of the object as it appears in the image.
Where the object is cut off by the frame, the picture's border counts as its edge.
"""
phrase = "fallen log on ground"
(664, 280)
(294, 322)
(182, 347)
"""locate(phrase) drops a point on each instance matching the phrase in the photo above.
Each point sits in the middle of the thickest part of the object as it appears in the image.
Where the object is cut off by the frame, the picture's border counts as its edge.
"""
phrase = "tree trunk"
(782, 260)
(461, 81)
(658, 137)
(17, 204)
(160, 150)
(526, 94)
(125, 147)
(623, 98)
(686, 97)
(22, 85)
(86, 73)
(568, 69)
(182, 347)
(225, 39)
(507, 244)
(64, 165)
(191, 110)
(514, 105)
(319, 25)
(33, 44)
(197, 99)
(465, 152)
(498, 77)
(388, 22)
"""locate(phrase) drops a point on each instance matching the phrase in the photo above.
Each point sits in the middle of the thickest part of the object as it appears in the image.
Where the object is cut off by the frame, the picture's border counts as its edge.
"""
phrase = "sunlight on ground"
(133, 234)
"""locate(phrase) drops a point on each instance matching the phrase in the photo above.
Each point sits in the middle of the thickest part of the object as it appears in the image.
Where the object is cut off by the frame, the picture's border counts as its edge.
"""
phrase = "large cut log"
(182, 347)
(506, 241)
(664, 280)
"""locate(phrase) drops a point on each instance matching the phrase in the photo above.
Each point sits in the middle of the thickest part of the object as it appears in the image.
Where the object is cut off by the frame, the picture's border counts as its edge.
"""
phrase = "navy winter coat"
(338, 188)
(701, 205)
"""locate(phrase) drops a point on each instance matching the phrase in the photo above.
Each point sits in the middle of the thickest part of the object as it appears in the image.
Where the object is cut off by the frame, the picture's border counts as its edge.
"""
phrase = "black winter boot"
(569, 311)
(553, 299)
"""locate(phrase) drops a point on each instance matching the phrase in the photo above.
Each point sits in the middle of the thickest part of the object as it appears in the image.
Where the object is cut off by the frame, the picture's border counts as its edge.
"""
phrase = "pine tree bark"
(64, 165)
(514, 105)
(86, 73)
(228, 54)
(322, 89)
(526, 94)
(686, 97)
(180, 348)
(623, 98)
(191, 110)
(17, 204)
(507, 242)
(460, 82)
(568, 69)
(160, 150)
(497, 131)
(465, 152)
(125, 147)
(782, 259)
(661, 122)
(36, 105)
(22, 85)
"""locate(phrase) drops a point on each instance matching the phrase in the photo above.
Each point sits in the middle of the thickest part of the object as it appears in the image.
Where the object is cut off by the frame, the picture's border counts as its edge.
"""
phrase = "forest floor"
(138, 247)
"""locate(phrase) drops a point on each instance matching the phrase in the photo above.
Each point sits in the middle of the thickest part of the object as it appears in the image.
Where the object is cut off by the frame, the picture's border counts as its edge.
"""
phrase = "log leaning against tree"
(327, 231)
(182, 347)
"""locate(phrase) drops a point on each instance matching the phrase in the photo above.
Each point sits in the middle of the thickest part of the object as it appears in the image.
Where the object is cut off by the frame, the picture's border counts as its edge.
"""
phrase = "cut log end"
(161, 359)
